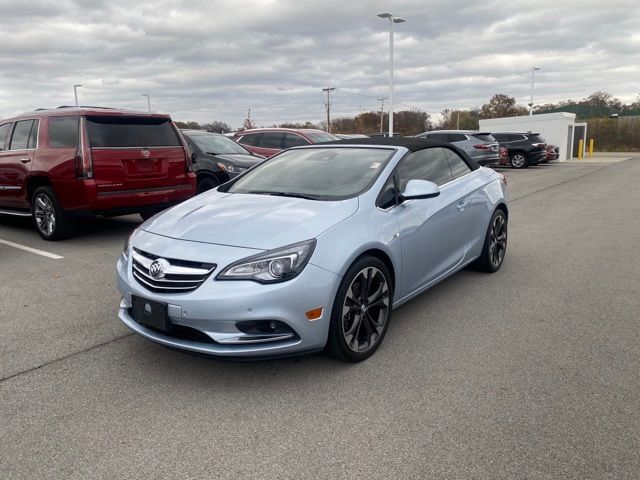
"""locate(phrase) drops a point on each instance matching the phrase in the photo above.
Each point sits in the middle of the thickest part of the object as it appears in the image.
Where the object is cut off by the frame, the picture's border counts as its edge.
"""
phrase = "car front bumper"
(215, 308)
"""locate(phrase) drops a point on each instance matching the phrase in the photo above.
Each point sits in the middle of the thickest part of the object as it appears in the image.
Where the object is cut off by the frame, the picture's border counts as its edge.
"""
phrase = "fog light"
(315, 314)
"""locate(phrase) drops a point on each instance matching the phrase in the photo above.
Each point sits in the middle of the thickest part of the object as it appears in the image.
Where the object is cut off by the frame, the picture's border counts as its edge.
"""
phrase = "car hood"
(246, 161)
(250, 221)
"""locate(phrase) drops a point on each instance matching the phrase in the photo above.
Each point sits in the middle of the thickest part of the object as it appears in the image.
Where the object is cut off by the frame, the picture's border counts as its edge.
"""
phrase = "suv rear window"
(536, 139)
(485, 137)
(105, 132)
(63, 132)
(249, 139)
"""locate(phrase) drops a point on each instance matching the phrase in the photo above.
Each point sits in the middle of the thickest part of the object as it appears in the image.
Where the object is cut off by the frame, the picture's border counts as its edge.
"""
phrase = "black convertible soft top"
(413, 144)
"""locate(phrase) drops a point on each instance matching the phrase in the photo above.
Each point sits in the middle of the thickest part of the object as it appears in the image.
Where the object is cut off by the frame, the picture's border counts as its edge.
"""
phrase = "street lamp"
(533, 70)
(75, 93)
(392, 20)
(148, 102)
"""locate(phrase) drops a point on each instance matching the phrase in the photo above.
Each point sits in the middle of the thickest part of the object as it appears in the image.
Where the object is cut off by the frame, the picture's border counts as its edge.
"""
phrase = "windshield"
(216, 144)
(319, 137)
(316, 173)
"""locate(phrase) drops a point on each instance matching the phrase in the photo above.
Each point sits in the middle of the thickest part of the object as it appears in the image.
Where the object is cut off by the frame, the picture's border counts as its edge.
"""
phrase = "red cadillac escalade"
(56, 165)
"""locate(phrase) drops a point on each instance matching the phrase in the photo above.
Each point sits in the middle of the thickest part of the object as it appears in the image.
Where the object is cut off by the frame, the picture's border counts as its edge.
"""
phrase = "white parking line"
(31, 250)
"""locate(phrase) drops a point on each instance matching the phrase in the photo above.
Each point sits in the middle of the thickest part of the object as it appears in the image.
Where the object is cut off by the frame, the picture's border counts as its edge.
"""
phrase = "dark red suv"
(62, 163)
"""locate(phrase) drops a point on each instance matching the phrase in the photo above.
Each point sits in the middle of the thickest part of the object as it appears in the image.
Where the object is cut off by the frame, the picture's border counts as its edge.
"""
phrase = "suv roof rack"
(84, 106)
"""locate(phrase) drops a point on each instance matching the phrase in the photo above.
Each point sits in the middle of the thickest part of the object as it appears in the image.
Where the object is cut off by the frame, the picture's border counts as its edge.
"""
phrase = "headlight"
(127, 244)
(228, 167)
(274, 266)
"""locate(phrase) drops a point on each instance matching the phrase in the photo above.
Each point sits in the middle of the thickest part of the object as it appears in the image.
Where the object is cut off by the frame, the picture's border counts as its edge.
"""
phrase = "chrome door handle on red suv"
(25, 160)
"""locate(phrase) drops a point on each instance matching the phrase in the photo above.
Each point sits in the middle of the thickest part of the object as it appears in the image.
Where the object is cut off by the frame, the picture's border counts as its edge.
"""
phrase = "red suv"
(269, 141)
(62, 163)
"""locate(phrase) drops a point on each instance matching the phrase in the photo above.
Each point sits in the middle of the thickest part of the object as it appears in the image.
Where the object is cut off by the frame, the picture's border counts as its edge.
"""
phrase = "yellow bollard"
(580, 149)
(591, 148)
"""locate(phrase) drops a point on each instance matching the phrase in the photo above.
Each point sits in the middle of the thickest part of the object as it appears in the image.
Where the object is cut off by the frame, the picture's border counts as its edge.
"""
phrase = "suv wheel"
(50, 220)
(518, 160)
(206, 183)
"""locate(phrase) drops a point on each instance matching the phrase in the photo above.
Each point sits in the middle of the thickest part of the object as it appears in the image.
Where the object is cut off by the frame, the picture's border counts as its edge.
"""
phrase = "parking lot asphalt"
(533, 372)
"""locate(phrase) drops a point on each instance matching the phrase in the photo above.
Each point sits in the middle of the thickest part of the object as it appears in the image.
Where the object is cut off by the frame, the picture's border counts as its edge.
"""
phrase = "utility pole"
(382, 100)
(327, 105)
(533, 71)
(75, 93)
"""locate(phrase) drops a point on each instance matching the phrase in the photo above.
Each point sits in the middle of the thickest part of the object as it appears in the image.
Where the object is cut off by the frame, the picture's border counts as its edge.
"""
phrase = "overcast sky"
(213, 59)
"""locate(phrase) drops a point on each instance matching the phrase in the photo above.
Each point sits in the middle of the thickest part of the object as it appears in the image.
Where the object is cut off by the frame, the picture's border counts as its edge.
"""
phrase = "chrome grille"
(179, 276)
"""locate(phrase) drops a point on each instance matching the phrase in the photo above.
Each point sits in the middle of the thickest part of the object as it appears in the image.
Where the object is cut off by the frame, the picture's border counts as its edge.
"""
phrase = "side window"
(428, 164)
(249, 139)
(21, 133)
(294, 140)
(271, 140)
(4, 132)
(387, 197)
(456, 137)
(63, 132)
(456, 164)
(33, 136)
(438, 136)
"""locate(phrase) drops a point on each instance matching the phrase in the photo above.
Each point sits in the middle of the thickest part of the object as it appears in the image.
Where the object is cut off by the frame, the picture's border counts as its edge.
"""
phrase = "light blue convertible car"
(312, 249)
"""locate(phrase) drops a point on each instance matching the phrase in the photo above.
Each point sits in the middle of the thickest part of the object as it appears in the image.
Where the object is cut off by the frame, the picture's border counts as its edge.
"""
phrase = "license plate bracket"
(151, 314)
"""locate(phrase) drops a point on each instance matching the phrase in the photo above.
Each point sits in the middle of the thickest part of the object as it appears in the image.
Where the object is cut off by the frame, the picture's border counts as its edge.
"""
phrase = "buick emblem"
(158, 267)
(145, 152)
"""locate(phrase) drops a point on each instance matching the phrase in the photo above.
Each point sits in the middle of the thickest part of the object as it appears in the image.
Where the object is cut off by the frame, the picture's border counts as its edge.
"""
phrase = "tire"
(354, 332)
(494, 248)
(206, 183)
(518, 160)
(49, 219)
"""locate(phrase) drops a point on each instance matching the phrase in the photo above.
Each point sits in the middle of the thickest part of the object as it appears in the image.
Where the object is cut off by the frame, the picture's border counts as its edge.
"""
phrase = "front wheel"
(49, 219)
(518, 160)
(495, 244)
(361, 311)
(206, 183)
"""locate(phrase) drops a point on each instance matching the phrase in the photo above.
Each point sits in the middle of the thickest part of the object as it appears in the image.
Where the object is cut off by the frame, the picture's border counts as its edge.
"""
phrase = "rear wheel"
(495, 244)
(206, 183)
(518, 160)
(49, 219)
(361, 311)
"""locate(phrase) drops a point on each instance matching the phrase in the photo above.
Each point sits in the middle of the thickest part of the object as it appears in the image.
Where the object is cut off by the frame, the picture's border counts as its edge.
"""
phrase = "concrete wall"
(556, 128)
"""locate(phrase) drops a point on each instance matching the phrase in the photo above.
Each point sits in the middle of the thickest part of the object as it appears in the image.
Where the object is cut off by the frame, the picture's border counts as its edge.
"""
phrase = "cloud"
(213, 60)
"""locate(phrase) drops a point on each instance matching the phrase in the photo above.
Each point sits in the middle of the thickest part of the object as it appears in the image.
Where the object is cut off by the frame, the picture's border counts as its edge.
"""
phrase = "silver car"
(312, 249)
(480, 146)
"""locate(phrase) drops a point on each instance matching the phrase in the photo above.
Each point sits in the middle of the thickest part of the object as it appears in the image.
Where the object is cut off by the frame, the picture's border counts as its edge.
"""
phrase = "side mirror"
(194, 157)
(419, 189)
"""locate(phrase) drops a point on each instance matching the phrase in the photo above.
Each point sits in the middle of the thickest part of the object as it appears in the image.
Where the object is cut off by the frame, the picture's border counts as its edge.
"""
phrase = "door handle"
(25, 160)
(461, 205)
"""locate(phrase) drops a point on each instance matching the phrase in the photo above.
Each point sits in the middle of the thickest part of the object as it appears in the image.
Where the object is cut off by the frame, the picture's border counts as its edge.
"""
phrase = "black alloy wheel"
(361, 311)
(495, 244)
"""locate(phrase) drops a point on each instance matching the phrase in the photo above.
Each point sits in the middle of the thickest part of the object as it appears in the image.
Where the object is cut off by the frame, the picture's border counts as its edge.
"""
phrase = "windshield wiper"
(286, 194)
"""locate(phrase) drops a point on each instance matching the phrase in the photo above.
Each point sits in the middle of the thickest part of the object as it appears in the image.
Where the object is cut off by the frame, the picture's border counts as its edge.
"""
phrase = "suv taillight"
(539, 145)
(482, 146)
(84, 162)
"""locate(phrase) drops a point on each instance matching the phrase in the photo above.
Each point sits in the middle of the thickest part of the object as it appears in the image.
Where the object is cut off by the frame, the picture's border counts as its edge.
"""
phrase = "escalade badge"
(145, 152)
(158, 267)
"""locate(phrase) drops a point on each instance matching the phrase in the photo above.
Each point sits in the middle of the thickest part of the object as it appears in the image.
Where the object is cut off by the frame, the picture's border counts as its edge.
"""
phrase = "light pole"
(392, 20)
(533, 71)
(75, 93)
(148, 102)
